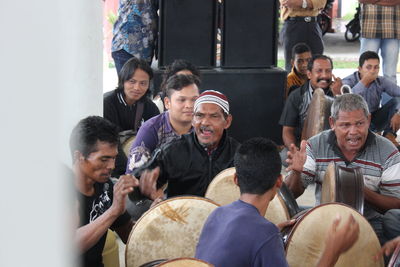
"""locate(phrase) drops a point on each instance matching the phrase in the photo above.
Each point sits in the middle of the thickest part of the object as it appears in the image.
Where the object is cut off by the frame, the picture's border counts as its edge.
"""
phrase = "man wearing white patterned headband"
(189, 163)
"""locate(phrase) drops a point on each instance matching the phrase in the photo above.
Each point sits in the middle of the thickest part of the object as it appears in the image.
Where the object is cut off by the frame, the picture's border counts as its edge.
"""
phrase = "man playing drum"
(101, 205)
(189, 163)
(238, 234)
(349, 143)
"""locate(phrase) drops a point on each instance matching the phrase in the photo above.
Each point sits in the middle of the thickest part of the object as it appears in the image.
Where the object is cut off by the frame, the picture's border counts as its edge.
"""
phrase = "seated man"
(181, 92)
(238, 234)
(294, 113)
(101, 204)
(301, 55)
(349, 143)
(189, 163)
(370, 86)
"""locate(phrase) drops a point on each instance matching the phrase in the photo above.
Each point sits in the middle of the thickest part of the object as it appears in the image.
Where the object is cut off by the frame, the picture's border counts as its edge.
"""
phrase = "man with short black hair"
(366, 83)
(93, 144)
(294, 113)
(239, 235)
(181, 91)
(301, 55)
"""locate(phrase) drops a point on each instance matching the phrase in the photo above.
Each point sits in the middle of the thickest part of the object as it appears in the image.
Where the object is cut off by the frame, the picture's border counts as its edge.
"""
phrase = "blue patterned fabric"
(135, 30)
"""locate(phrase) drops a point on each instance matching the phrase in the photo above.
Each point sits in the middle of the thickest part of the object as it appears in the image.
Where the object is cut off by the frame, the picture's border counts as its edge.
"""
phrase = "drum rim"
(359, 180)
(158, 204)
(185, 258)
(299, 219)
(395, 256)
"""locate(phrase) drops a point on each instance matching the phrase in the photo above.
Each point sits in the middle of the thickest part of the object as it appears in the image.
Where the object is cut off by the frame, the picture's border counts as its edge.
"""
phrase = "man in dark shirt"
(101, 204)
(190, 163)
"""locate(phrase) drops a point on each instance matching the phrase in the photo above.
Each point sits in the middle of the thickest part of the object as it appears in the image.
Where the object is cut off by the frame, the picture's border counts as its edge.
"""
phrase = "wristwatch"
(304, 5)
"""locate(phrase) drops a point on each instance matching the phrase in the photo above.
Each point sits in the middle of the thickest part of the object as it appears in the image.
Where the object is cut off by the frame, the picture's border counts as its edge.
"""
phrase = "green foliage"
(112, 17)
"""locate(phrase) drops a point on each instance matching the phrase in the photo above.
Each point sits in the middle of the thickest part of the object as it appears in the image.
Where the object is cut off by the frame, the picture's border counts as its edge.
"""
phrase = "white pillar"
(50, 77)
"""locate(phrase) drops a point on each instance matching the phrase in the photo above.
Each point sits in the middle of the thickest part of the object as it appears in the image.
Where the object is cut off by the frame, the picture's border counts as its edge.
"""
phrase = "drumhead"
(168, 230)
(185, 262)
(306, 240)
(223, 190)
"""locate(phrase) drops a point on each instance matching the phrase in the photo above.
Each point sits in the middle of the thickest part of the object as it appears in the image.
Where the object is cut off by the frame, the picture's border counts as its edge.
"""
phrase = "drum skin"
(306, 240)
(223, 191)
(318, 114)
(168, 230)
(185, 262)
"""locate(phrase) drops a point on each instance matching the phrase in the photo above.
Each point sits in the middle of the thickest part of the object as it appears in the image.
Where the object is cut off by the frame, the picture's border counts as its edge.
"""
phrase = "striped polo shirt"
(379, 161)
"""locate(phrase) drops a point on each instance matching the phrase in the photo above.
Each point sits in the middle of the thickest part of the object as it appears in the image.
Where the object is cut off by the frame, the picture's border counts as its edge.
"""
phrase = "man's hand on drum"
(296, 157)
(148, 183)
(285, 224)
(388, 248)
(122, 188)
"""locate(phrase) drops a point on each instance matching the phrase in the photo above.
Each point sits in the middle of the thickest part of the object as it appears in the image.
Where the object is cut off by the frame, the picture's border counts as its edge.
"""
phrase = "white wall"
(50, 77)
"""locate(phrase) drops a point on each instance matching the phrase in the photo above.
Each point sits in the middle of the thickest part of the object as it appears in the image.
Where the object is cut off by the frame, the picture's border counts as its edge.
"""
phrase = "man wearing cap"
(189, 163)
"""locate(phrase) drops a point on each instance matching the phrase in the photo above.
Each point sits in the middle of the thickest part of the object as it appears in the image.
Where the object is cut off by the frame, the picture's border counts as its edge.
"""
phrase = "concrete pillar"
(51, 76)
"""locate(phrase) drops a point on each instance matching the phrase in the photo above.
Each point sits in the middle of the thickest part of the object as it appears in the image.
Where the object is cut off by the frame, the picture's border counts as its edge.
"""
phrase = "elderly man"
(101, 204)
(301, 55)
(189, 163)
(294, 113)
(370, 86)
(349, 143)
(238, 234)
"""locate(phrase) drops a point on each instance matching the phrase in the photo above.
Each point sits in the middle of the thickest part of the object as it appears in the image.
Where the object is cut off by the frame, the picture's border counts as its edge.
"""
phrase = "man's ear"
(331, 122)
(228, 121)
(279, 181)
(167, 102)
(235, 179)
(309, 74)
(292, 62)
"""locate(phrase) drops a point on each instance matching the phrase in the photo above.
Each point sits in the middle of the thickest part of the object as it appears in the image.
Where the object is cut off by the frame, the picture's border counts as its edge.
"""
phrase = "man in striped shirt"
(349, 143)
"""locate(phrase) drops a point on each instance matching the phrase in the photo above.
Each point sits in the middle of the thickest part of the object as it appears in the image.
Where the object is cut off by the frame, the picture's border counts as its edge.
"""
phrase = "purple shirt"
(154, 133)
(237, 235)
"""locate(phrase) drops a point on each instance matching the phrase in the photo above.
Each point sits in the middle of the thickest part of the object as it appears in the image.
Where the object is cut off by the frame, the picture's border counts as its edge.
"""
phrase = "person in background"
(135, 31)
(301, 55)
(129, 105)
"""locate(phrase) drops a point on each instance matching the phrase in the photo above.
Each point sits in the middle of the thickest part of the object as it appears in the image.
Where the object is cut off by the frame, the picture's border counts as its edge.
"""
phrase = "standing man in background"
(301, 26)
(135, 31)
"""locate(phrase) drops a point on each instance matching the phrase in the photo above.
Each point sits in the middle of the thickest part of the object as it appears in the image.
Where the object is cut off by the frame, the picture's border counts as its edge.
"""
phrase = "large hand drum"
(306, 239)
(169, 230)
(223, 190)
(126, 146)
(185, 262)
(343, 185)
(318, 113)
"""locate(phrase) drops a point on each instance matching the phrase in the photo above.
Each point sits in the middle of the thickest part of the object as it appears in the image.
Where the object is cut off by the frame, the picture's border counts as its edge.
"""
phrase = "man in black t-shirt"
(93, 145)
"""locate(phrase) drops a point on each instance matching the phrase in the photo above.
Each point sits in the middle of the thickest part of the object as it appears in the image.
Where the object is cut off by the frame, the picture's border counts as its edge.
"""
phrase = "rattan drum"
(305, 241)
(223, 190)
(318, 114)
(169, 230)
(185, 262)
(126, 146)
(344, 185)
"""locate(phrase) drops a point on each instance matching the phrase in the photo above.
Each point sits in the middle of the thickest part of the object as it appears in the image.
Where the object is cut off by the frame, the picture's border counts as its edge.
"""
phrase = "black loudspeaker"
(249, 33)
(255, 97)
(187, 31)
